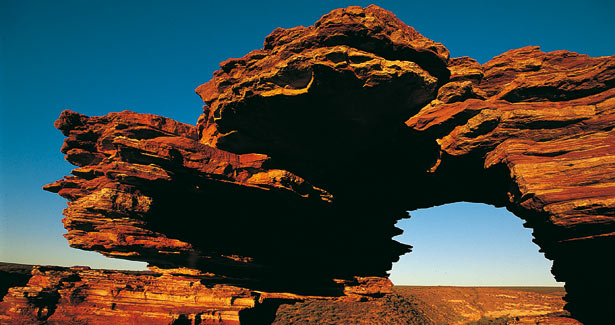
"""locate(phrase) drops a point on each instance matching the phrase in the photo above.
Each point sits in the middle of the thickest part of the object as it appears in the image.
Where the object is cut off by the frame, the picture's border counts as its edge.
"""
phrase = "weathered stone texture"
(310, 149)
(546, 120)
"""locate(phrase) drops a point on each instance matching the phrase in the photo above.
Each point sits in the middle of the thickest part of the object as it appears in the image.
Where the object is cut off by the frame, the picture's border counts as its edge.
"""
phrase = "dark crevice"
(263, 313)
(13, 275)
(551, 93)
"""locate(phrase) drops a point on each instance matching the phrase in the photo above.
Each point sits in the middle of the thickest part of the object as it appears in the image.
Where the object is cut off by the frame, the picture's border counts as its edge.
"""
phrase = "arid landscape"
(404, 305)
(484, 305)
(280, 203)
(438, 305)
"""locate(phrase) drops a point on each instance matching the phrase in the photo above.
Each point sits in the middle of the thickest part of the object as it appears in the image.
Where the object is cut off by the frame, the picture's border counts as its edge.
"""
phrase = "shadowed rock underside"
(310, 149)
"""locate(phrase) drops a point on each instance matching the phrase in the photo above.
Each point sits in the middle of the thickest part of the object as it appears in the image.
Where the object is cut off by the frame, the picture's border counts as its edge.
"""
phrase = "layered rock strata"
(147, 190)
(80, 295)
(310, 149)
(544, 123)
(326, 101)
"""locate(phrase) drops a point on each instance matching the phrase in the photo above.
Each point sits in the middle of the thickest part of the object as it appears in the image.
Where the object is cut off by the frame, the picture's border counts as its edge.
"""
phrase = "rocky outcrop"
(314, 98)
(529, 130)
(147, 190)
(544, 123)
(310, 149)
(144, 179)
(80, 295)
(252, 219)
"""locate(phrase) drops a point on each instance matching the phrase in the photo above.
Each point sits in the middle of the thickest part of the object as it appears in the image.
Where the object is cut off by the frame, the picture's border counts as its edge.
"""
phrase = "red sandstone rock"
(120, 199)
(80, 295)
(559, 154)
(142, 200)
(546, 121)
(528, 74)
(301, 163)
(310, 93)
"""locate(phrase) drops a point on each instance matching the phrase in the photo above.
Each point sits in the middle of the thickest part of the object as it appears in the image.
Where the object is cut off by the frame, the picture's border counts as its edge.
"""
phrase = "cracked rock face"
(310, 149)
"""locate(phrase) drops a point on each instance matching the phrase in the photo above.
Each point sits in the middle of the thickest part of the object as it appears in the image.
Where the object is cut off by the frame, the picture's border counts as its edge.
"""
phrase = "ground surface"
(406, 305)
(438, 305)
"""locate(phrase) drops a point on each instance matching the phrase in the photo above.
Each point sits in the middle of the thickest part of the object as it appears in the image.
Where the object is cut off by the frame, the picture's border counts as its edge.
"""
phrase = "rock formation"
(80, 295)
(307, 153)
(534, 131)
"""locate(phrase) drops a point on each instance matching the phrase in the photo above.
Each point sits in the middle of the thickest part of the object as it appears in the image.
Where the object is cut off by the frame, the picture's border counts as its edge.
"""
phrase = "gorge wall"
(308, 152)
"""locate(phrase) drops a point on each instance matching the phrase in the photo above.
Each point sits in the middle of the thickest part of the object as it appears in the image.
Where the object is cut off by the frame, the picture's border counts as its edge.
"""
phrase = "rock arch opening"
(469, 244)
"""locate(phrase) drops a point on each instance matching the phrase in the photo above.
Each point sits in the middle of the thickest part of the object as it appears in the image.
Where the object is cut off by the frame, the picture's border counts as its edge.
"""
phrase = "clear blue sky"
(469, 244)
(148, 56)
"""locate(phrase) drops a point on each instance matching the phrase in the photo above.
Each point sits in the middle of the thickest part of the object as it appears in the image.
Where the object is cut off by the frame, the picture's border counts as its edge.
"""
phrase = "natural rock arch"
(311, 148)
(469, 244)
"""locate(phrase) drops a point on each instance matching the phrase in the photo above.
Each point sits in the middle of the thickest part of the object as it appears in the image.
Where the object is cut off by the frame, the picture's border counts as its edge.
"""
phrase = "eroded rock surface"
(545, 121)
(317, 98)
(310, 149)
(80, 295)
(147, 190)
(143, 178)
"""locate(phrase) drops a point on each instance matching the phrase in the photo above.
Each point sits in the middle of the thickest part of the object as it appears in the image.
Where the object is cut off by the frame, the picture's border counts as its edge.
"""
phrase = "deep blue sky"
(148, 56)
